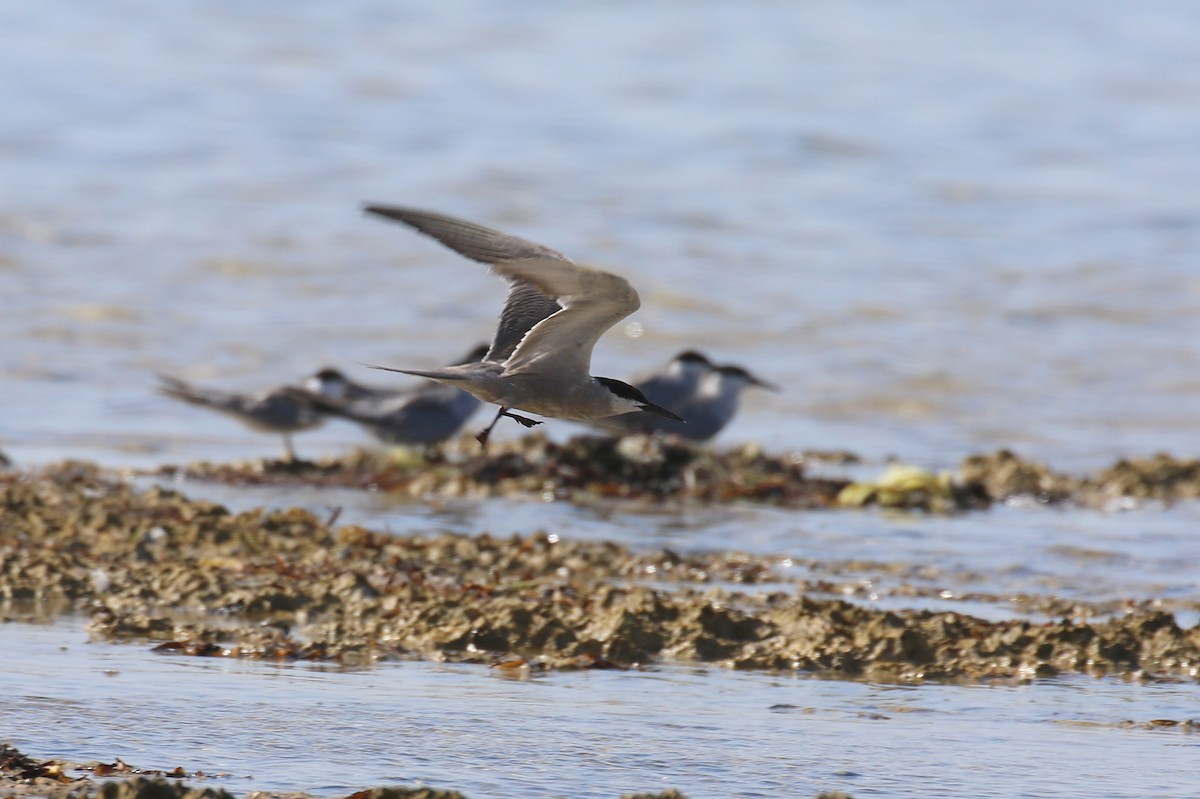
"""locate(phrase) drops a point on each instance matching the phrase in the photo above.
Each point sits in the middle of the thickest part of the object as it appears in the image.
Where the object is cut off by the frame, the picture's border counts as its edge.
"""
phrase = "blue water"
(942, 228)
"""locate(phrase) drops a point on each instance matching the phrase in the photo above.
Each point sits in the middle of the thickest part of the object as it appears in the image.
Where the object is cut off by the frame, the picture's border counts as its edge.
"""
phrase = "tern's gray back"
(429, 418)
(667, 391)
(426, 415)
(525, 305)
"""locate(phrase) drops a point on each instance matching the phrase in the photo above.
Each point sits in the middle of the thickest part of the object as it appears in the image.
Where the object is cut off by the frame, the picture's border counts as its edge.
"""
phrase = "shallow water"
(941, 228)
(710, 733)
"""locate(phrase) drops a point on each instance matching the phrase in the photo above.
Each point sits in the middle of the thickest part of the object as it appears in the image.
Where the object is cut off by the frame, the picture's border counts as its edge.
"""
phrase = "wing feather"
(525, 305)
(592, 302)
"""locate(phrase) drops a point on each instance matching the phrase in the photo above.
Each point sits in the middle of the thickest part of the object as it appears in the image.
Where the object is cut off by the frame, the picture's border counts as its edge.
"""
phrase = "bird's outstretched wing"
(525, 305)
(592, 302)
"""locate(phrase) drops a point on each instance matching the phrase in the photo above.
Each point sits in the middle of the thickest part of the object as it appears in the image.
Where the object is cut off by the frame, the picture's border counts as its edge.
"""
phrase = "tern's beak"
(754, 381)
(650, 407)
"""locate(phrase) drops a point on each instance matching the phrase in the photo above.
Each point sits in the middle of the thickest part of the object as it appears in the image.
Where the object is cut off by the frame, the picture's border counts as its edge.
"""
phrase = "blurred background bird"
(704, 395)
(421, 416)
(277, 410)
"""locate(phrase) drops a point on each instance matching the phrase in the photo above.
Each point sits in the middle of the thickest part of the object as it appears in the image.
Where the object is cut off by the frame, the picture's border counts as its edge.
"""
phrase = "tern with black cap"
(556, 311)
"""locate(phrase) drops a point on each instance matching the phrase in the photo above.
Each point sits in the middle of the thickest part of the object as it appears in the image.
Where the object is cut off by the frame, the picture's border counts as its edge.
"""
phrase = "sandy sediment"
(192, 578)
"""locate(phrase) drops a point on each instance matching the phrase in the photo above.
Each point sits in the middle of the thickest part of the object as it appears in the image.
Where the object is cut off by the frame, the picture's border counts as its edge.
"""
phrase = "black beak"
(650, 407)
(754, 381)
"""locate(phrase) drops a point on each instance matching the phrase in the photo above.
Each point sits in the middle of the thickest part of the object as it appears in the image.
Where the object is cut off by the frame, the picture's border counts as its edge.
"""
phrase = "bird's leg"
(482, 438)
(287, 448)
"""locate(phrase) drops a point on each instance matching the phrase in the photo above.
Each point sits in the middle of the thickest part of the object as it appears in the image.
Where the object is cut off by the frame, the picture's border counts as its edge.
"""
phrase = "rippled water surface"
(594, 734)
(942, 228)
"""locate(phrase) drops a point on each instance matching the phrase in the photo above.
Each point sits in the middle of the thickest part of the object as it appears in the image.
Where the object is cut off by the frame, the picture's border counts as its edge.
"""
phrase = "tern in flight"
(556, 311)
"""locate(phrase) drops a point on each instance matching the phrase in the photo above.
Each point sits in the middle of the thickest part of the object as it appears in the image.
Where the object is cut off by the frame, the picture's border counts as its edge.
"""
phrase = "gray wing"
(592, 302)
(476, 242)
(525, 305)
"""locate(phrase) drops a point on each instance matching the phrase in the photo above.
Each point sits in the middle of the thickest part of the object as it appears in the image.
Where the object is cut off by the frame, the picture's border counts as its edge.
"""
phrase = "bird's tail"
(432, 374)
(178, 389)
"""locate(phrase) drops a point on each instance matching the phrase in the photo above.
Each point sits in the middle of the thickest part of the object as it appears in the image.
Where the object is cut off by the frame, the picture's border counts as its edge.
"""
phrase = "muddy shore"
(653, 470)
(189, 577)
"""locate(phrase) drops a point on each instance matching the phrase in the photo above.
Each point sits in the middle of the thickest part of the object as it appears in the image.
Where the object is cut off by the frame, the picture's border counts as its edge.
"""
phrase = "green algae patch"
(982, 480)
(191, 578)
(912, 488)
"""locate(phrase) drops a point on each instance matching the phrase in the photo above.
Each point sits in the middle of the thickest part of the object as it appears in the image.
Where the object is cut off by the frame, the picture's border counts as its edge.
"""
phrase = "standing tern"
(277, 410)
(425, 415)
(714, 403)
(555, 313)
(675, 385)
(708, 406)
(671, 388)
(333, 385)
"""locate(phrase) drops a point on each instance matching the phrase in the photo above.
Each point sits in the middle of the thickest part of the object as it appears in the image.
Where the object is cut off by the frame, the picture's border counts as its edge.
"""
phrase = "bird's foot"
(525, 420)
